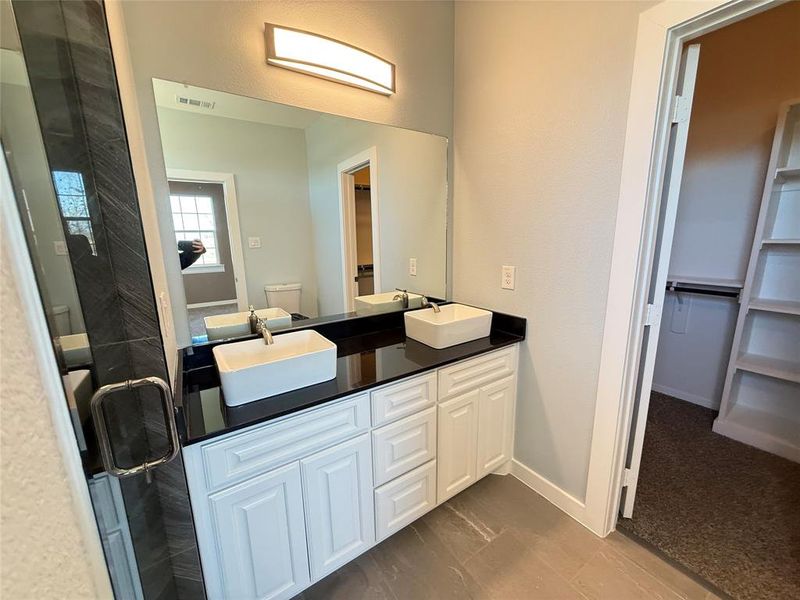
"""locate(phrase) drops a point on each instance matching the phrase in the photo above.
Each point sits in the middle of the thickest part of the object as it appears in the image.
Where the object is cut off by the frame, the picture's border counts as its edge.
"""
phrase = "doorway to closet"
(713, 480)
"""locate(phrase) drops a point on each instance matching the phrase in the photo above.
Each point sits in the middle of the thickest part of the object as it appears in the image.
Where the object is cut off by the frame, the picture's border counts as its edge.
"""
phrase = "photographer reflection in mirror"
(189, 251)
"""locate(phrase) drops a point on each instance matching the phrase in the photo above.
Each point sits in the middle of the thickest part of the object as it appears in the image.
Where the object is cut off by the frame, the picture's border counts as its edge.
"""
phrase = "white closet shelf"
(762, 429)
(780, 242)
(771, 367)
(785, 307)
(709, 281)
(787, 172)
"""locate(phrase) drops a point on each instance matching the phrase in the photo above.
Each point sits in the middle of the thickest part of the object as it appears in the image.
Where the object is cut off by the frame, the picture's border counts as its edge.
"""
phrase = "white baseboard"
(504, 469)
(687, 396)
(550, 491)
(214, 303)
(757, 439)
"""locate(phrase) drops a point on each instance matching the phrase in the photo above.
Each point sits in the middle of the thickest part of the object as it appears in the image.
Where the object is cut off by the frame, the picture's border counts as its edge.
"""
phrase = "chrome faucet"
(427, 303)
(265, 332)
(403, 296)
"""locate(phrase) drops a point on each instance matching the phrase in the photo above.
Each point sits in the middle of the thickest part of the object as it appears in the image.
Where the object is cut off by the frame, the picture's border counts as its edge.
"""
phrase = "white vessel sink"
(455, 324)
(385, 302)
(220, 327)
(252, 370)
(75, 348)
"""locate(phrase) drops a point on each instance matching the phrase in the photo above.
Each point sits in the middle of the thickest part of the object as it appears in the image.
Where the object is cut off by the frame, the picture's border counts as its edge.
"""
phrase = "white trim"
(51, 381)
(232, 216)
(550, 491)
(686, 396)
(662, 31)
(196, 269)
(673, 175)
(368, 157)
(209, 304)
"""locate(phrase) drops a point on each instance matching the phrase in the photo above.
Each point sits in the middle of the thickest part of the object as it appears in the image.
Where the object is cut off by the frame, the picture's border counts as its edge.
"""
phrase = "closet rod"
(686, 289)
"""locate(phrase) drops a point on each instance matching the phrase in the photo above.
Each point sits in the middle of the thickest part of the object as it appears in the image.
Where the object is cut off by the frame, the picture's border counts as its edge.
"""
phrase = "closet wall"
(746, 71)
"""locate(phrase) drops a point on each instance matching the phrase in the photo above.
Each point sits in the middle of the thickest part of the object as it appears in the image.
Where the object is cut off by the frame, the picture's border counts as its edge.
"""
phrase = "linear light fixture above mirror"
(327, 58)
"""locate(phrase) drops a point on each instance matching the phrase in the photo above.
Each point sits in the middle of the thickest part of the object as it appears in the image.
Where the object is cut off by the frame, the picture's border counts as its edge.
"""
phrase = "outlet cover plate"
(508, 277)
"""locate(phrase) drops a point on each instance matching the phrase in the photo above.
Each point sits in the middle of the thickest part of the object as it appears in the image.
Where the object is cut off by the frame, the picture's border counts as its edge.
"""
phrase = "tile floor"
(500, 540)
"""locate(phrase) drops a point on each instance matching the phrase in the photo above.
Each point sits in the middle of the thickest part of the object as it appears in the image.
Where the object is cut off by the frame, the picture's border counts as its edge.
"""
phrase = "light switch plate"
(60, 247)
(508, 277)
(412, 266)
(166, 314)
(254, 242)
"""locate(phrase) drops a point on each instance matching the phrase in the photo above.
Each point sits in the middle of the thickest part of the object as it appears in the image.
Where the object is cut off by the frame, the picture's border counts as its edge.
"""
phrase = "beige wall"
(220, 45)
(541, 95)
(42, 554)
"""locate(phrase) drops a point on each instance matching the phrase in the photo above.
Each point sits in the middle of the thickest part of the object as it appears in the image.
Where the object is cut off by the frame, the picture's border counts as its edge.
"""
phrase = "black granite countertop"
(366, 359)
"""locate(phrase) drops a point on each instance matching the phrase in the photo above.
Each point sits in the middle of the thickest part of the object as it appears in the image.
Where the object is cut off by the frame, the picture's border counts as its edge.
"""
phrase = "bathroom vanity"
(287, 489)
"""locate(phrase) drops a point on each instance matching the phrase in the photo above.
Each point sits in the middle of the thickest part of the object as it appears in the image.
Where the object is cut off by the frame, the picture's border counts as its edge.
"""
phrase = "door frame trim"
(661, 33)
(368, 157)
(228, 182)
(52, 384)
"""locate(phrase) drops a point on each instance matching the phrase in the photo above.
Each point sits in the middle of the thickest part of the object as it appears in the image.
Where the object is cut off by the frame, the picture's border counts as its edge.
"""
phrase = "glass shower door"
(66, 155)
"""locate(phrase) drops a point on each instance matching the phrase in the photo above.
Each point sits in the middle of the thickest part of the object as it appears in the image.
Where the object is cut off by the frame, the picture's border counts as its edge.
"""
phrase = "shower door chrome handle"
(106, 451)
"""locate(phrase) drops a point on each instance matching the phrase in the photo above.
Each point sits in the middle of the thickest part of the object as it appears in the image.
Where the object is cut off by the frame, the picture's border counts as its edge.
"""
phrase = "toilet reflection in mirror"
(301, 214)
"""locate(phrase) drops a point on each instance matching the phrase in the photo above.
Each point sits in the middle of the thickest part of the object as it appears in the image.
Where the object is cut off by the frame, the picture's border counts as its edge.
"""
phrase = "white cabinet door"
(261, 536)
(457, 452)
(339, 504)
(495, 423)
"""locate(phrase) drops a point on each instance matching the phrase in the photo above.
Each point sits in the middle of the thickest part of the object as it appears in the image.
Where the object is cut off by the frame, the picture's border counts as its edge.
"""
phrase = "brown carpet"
(722, 509)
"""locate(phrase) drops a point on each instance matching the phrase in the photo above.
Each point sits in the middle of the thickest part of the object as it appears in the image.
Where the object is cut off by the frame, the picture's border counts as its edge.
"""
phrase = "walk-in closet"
(715, 459)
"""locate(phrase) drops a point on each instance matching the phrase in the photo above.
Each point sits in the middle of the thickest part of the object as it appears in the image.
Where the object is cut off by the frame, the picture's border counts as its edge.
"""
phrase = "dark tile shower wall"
(67, 52)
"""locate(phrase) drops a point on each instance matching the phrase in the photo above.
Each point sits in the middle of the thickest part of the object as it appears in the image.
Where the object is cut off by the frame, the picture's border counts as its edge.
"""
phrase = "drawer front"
(476, 372)
(405, 499)
(244, 455)
(401, 446)
(403, 399)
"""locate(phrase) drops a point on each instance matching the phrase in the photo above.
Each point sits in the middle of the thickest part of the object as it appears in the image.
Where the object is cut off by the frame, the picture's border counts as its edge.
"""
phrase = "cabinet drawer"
(399, 447)
(403, 399)
(476, 372)
(244, 455)
(405, 499)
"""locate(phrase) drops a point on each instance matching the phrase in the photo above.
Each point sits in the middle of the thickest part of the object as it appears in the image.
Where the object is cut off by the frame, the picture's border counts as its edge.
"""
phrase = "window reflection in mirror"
(55, 218)
(298, 213)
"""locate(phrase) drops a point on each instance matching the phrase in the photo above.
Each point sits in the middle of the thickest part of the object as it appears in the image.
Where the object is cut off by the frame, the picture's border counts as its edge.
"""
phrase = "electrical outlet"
(254, 242)
(412, 267)
(60, 248)
(508, 277)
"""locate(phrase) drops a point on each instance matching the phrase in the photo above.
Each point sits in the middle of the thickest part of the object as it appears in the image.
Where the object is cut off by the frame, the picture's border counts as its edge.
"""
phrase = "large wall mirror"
(298, 213)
